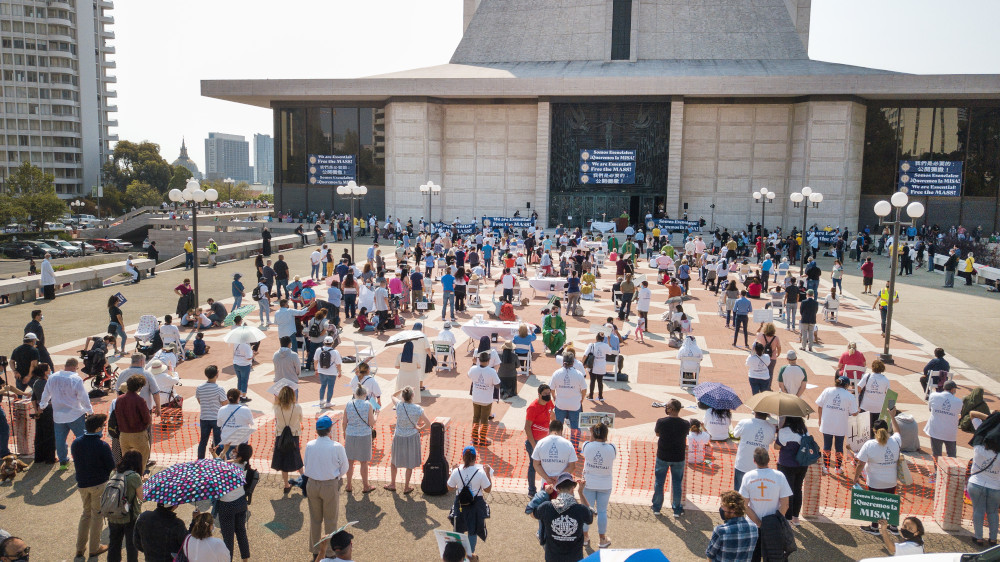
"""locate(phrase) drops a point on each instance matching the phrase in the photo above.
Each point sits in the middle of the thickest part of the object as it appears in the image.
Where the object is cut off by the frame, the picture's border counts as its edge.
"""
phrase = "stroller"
(95, 365)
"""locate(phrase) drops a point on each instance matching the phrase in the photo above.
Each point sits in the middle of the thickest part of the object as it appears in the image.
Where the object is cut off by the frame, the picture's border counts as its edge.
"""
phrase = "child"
(199, 345)
(364, 323)
(640, 327)
(697, 442)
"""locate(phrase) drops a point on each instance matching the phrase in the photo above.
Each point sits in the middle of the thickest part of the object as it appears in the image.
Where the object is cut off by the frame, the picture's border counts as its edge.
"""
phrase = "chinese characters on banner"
(332, 169)
(934, 178)
(599, 166)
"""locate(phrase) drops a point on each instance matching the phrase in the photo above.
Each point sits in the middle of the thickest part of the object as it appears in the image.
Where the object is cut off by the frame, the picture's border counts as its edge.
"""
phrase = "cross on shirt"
(762, 488)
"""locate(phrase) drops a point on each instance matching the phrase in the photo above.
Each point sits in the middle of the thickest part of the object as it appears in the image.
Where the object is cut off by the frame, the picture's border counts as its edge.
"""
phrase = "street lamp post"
(230, 182)
(193, 196)
(763, 197)
(77, 205)
(804, 198)
(354, 192)
(430, 189)
(883, 209)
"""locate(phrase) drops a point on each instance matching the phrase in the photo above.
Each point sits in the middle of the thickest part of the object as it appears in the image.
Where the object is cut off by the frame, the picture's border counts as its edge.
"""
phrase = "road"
(19, 267)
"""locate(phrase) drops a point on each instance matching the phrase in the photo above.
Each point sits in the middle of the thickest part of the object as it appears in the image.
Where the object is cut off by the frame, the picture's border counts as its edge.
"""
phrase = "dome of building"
(187, 162)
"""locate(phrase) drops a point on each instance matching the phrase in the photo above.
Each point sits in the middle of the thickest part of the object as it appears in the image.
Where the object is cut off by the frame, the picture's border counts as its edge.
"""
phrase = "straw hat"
(157, 367)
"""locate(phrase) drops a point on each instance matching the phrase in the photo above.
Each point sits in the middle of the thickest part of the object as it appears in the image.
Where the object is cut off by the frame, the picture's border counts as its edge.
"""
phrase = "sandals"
(389, 488)
(408, 490)
(368, 490)
(287, 489)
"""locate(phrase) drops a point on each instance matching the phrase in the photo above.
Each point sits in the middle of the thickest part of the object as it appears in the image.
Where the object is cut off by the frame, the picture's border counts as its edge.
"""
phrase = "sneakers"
(245, 399)
(870, 530)
(64, 466)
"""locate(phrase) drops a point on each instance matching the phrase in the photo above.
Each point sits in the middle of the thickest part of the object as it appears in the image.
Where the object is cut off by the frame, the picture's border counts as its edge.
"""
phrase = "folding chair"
(472, 294)
(690, 378)
(365, 352)
(831, 310)
(146, 330)
(523, 359)
(778, 304)
(854, 373)
(935, 382)
(445, 355)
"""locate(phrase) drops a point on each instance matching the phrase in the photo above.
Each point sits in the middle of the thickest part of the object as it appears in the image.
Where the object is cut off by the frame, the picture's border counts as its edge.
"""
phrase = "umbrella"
(717, 395)
(244, 334)
(241, 311)
(190, 482)
(779, 404)
(404, 336)
(627, 555)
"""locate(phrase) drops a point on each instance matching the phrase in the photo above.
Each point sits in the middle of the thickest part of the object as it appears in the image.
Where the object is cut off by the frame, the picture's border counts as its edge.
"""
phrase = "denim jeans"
(77, 426)
(839, 285)
(737, 478)
(740, 320)
(326, 384)
(5, 436)
(310, 351)
(598, 499)
(790, 315)
(120, 332)
(759, 385)
(237, 301)
(264, 311)
(574, 417)
(315, 272)
(985, 501)
(350, 305)
(813, 285)
(188, 260)
(208, 427)
(283, 284)
(676, 482)
(446, 299)
(242, 377)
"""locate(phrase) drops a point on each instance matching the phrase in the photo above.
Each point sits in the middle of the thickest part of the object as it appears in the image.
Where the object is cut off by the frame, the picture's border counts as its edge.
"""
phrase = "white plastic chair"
(365, 352)
(831, 310)
(472, 294)
(523, 359)
(146, 330)
(935, 380)
(778, 304)
(445, 355)
(690, 378)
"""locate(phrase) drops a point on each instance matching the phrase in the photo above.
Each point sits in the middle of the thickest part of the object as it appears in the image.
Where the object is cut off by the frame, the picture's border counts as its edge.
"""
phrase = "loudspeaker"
(685, 206)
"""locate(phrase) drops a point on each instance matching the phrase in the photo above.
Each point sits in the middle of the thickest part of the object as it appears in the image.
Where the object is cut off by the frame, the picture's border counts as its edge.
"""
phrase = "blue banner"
(504, 222)
(332, 169)
(826, 237)
(463, 229)
(934, 178)
(599, 166)
(672, 224)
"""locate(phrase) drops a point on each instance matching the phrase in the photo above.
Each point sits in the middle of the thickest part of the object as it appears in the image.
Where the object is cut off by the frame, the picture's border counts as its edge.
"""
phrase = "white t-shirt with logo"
(598, 462)
(985, 468)
(568, 385)
(880, 462)
(601, 351)
(717, 426)
(752, 433)
(875, 385)
(763, 488)
(555, 452)
(945, 408)
(645, 296)
(838, 404)
(483, 381)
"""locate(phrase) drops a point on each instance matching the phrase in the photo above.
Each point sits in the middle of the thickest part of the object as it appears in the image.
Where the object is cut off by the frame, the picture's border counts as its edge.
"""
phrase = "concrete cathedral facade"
(717, 98)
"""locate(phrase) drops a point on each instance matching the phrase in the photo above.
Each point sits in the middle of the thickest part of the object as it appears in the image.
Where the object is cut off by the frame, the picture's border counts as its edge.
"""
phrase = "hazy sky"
(165, 49)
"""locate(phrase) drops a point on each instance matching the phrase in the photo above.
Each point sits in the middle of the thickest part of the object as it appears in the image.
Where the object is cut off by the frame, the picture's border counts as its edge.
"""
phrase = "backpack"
(325, 358)
(252, 478)
(314, 329)
(255, 294)
(809, 451)
(465, 495)
(770, 350)
(114, 498)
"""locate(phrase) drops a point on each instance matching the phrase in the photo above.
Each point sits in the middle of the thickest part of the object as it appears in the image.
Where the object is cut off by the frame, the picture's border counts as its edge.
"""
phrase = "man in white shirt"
(315, 258)
(484, 381)
(327, 361)
(766, 491)
(70, 406)
(942, 426)
(382, 306)
(325, 463)
(792, 377)
(753, 433)
(601, 350)
(645, 297)
(446, 335)
(872, 388)
(150, 391)
(568, 389)
(553, 454)
(508, 281)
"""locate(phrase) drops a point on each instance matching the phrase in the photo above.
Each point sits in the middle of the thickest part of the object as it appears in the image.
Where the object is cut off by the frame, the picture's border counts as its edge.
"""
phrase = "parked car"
(65, 246)
(111, 244)
(122, 245)
(84, 247)
(16, 250)
(39, 249)
(57, 226)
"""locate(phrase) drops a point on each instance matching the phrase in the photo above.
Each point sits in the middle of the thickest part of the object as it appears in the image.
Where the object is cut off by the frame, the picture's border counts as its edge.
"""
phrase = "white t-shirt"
(555, 453)
(370, 384)
(645, 296)
(763, 488)
(757, 366)
(508, 281)
(474, 476)
(568, 385)
(483, 381)
(876, 385)
(717, 426)
(907, 548)
(234, 419)
(945, 408)
(600, 351)
(985, 468)
(792, 376)
(696, 443)
(334, 361)
(752, 433)
(838, 404)
(880, 467)
(598, 462)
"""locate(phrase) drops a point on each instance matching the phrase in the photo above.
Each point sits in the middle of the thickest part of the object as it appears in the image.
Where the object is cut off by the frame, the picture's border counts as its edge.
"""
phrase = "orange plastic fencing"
(177, 439)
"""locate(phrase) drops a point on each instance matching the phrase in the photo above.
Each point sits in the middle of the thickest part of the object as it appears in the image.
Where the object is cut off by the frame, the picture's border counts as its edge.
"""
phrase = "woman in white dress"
(411, 368)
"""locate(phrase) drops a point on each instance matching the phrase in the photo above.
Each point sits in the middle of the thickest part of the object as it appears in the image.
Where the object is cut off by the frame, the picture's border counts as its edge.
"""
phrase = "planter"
(621, 224)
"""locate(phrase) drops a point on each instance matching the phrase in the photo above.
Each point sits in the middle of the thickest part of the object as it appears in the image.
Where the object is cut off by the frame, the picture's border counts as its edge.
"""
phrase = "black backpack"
(465, 495)
(253, 477)
(314, 329)
(255, 294)
(325, 358)
(435, 478)
(767, 347)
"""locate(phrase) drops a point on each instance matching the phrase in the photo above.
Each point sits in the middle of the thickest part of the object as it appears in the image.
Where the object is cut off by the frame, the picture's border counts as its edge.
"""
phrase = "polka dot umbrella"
(190, 482)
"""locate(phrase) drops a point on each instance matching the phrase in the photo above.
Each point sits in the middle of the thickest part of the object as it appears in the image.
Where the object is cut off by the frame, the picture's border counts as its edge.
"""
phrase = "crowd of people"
(434, 265)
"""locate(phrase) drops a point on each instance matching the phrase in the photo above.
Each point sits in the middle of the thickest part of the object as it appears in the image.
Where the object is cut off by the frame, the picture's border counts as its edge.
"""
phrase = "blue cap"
(324, 423)
(469, 449)
(418, 326)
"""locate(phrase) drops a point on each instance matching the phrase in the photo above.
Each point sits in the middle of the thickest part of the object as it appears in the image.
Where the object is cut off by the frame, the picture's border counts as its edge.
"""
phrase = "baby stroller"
(95, 365)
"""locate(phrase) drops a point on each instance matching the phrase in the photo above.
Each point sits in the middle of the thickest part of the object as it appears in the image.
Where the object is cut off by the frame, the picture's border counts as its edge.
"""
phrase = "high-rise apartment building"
(263, 159)
(227, 156)
(56, 109)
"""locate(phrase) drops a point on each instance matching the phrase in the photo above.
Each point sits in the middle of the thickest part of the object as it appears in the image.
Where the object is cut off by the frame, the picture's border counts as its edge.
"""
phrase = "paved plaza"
(276, 525)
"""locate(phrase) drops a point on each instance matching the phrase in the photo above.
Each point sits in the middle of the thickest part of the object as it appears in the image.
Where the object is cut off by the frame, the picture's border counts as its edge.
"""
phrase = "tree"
(138, 161)
(35, 194)
(180, 178)
(141, 194)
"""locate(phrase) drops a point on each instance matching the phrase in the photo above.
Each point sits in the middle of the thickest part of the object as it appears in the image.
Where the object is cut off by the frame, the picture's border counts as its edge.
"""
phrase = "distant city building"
(263, 159)
(55, 90)
(187, 162)
(227, 156)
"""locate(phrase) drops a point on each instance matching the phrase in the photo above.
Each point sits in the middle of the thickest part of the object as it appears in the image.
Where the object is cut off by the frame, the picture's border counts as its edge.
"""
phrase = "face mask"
(40, 318)
(907, 534)
(722, 514)
(544, 398)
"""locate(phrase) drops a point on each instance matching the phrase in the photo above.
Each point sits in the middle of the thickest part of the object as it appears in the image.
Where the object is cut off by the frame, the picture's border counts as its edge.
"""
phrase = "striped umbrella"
(195, 481)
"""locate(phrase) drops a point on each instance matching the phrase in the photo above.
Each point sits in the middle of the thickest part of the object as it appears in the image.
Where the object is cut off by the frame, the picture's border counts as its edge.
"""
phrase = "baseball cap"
(842, 380)
(324, 423)
(469, 449)
(950, 385)
(564, 477)
(328, 339)
(189, 238)
(791, 355)
(30, 336)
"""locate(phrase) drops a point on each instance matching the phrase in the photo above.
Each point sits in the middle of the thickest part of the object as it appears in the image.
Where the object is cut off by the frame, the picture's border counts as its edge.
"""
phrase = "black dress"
(266, 235)
(45, 432)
